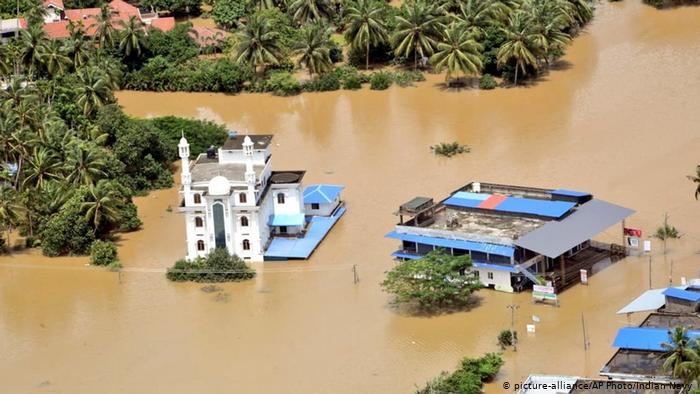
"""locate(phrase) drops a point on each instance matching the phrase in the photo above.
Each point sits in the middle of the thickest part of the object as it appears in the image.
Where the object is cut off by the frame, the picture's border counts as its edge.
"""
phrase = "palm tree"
(85, 164)
(458, 52)
(94, 89)
(522, 44)
(10, 210)
(696, 179)
(418, 30)
(102, 204)
(31, 40)
(53, 58)
(365, 26)
(41, 167)
(132, 37)
(549, 19)
(304, 11)
(257, 43)
(314, 48)
(105, 32)
(681, 355)
(477, 15)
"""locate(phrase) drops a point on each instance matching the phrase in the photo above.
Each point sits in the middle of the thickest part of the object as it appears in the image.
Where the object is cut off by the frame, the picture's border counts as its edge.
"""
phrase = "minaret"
(185, 176)
(249, 172)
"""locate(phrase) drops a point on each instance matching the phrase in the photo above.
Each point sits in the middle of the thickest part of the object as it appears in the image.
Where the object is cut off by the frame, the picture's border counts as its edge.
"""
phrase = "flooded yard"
(618, 118)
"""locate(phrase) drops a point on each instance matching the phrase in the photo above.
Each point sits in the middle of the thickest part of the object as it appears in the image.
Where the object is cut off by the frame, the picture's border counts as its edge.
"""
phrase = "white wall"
(292, 199)
(500, 279)
(323, 209)
(236, 156)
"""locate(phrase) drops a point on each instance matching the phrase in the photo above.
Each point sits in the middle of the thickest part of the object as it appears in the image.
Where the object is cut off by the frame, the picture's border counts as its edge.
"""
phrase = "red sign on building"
(633, 232)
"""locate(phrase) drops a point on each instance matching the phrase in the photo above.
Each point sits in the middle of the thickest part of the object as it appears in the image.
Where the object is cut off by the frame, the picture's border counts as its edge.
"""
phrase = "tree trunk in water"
(516, 75)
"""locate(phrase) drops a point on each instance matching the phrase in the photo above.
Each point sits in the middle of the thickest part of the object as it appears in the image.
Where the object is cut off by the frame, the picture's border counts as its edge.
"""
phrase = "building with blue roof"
(322, 200)
(682, 300)
(512, 233)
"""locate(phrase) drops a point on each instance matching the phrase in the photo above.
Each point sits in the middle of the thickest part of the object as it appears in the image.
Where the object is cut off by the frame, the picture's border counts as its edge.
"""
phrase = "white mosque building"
(232, 199)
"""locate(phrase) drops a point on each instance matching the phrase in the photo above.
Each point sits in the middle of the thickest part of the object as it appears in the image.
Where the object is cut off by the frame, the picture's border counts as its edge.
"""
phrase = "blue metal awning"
(321, 194)
(645, 338)
(686, 295)
(454, 243)
(496, 267)
(402, 255)
(296, 219)
(570, 193)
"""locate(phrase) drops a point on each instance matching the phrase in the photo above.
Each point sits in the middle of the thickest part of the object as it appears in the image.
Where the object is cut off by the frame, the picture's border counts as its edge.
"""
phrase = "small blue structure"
(302, 247)
(322, 200)
(454, 243)
(685, 295)
(682, 300)
(296, 219)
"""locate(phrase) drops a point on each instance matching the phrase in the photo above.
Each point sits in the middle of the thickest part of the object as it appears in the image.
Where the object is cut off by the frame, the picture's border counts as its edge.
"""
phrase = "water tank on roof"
(232, 134)
(211, 153)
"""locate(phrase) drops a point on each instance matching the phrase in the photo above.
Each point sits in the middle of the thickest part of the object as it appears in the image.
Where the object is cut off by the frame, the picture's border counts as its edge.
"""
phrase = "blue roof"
(466, 199)
(571, 193)
(301, 248)
(645, 338)
(554, 209)
(454, 243)
(296, 219)
(403, 255)
(496, 267)
(321, 194)
(693, 296)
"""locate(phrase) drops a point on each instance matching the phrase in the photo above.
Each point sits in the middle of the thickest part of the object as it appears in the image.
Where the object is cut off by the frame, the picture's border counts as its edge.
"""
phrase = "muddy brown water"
(619, 120)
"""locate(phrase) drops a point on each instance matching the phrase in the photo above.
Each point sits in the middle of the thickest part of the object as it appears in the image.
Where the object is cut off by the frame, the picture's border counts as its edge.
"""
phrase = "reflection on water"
(618, 120)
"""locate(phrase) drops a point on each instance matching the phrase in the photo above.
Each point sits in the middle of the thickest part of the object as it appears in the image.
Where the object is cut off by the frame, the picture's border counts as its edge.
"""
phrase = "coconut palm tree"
(258, 44)
(10, 210)
(53, 58)
(85, 164)
(42, 166)
(31, 40)
(102, 204)
(696, 179)
(131, 39)
(549, 19)
(418, 30)
(314, 48)
(94, 89)
(681, 355)
(366, 26)
(304, 11)
(477, 15)
(523, 45)
(458, 52)
(105, 32)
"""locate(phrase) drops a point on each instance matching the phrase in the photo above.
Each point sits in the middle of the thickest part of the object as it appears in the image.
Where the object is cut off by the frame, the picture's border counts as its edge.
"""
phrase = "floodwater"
(619, 119)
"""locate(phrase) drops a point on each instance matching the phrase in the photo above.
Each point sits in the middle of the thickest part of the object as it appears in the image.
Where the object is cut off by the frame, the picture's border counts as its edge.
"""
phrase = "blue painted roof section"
(571, 193)
(301, 248)
(645, 338)
(467, 199)
(296, 219)
(496, 267)
(402, 255)
(554, 209)
(682, 294)
(321, 194)
(454, 243)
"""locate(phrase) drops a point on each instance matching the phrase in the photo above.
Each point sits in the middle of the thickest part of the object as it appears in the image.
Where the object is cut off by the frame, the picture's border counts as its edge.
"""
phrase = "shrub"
(324, 83)
(352, 82)
(282, 83)
(380, 80)
(129, 218)
(487, 82)
(103, 253)
(449, 149)
(218, 266)
(407, 78)
(67, 231)
(468, 378)
(507, 338)
(336, 53)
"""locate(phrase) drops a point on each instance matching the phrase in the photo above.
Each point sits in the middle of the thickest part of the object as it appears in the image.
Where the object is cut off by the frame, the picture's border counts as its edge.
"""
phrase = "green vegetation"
(670, 3)
(103, 253)
(437, 281)
(507, 338)
(696, 179)
(682, 356)
(487, 82)
(380, 80)
(449, 149)
(469, 377)
(218, 266)
(667, 231)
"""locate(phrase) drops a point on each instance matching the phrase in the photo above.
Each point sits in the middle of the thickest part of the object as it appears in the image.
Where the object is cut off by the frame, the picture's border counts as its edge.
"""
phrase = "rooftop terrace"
(205, 168)
(665, 320)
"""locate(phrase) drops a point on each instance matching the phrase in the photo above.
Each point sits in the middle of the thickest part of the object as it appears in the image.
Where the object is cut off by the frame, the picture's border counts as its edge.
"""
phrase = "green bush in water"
(282, 83)
(468, 378)
(218, 266)
(103, 253)
(380, 81)
(487, 82)
(449, 149)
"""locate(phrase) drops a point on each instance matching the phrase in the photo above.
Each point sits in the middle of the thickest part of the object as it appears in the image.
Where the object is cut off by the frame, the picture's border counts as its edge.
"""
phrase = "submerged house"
(513, 234)
(233, 199)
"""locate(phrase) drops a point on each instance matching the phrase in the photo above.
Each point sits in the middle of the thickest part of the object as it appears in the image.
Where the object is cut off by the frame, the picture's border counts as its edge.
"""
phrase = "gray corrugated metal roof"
(556, 237)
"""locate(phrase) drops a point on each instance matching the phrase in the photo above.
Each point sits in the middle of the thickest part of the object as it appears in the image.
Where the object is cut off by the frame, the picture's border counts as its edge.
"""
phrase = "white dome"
(183, 141)
(219, 186)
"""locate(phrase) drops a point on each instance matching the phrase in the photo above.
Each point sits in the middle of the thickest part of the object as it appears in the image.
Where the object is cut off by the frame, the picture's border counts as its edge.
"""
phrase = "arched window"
(244, 221)
(198, 222)
(197, 198)
(242, 197)
(246, 244)
(280, 198)
(200, 245)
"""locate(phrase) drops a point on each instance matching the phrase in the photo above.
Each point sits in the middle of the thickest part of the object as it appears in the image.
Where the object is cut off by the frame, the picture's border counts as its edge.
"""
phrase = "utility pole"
(665, 231)
(513, 308)
(355, 276)
(650, 271)
(670, 275)
(586, 343)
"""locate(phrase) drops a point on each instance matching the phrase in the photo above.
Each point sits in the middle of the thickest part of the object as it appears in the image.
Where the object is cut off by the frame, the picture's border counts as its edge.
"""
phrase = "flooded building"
(513, 234)
(232, 199)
